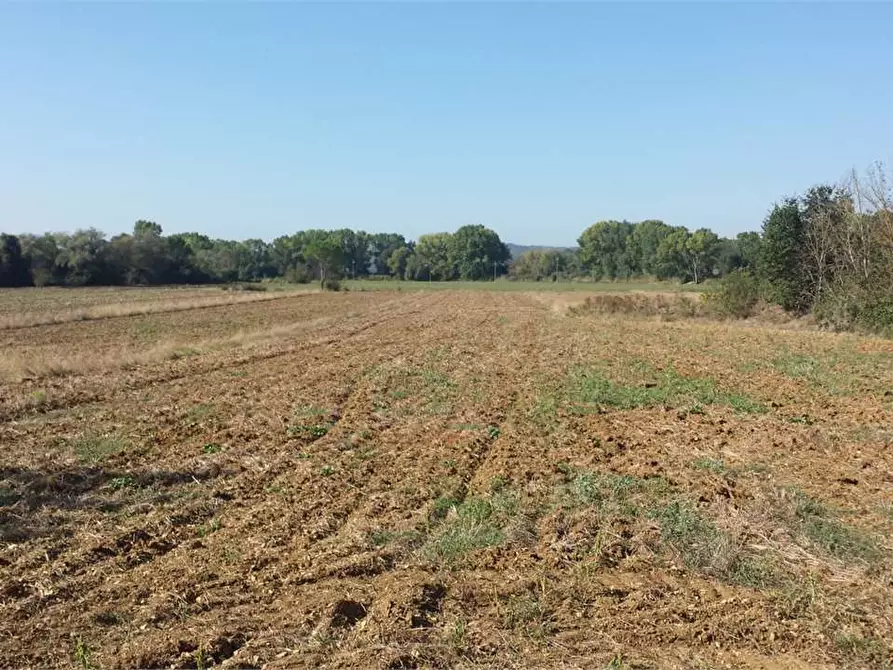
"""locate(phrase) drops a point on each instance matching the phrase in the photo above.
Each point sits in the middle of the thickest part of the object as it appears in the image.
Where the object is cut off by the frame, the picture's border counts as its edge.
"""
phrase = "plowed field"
(442, 479)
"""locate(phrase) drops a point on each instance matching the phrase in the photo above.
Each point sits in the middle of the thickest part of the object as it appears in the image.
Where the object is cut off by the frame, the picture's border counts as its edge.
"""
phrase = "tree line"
(828, 251)
(624, 250)
(147, 256)
(607, 250)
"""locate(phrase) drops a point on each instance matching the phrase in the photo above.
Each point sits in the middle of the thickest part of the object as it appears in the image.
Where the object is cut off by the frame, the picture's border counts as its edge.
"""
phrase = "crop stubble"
(297, 490)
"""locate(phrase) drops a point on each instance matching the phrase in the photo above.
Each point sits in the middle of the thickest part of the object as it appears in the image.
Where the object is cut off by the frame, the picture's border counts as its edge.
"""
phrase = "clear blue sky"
(247, 120)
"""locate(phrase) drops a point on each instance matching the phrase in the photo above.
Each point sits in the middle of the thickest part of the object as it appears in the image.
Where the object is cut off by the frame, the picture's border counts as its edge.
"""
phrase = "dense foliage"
(147, 256)
(829, 252)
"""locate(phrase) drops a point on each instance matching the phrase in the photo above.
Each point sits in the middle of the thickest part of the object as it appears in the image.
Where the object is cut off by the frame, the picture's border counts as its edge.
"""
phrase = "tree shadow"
(31, 500)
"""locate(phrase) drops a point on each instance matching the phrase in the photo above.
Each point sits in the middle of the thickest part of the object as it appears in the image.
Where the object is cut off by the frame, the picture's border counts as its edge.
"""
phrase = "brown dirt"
(271, 499)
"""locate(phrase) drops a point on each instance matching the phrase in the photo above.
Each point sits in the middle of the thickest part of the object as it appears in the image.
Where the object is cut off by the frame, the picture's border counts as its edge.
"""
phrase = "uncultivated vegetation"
(476, 479)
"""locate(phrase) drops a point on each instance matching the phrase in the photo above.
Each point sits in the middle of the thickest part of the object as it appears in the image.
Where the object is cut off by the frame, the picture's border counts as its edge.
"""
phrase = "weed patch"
(198, 413)
(472, 524)
(621, 500)
(119, 483)
(310, 422)
(824, 530)
(527, 614)
(591, 390)
(710, 464)
(405, 384)
(96, 449)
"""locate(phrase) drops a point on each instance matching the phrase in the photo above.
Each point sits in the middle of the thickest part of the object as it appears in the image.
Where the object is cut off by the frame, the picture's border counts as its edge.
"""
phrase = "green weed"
(827, 532)
(694, 538)
(198, 413)
(212, 448)
(710, 464)
(82, 654)
(95, 449)
(125, 482)
(207, 529)
(869, 649)
(527, 613)
(477, 523)
(591, 389)
(310, 422)
(442, 506)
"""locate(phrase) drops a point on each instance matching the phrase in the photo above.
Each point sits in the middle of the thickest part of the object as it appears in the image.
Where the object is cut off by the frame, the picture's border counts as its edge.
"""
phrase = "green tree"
(604, 251)
(13, 266)
(397, 262)
(727, 257)
(644, 242)
(83, 256)
(476, 252)
(749, 245)
(537, 265)
(143, 227)
(381, 246)
(355, 247)
(40, 254)
(688, 255)
(324, 250)
(431, 258)
(700, 252)
(781, 262)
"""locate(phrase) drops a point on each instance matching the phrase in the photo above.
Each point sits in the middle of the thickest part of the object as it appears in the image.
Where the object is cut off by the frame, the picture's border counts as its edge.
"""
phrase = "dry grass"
(28, 319)
(22, 366)
(642, 304)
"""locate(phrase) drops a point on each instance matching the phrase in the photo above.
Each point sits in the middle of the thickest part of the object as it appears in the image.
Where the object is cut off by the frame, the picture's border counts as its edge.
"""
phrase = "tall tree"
(41, 253)
(476, 252)
(782, 256)
(13, 268)
(397, 261)
(324, 250)
(749, 245)
(604, 251)
(381, 246)
(83, 255)
(644, 242)
(431, 258)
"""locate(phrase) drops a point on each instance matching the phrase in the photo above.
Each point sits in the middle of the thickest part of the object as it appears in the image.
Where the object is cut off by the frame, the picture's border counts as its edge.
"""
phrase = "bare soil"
(445, 479)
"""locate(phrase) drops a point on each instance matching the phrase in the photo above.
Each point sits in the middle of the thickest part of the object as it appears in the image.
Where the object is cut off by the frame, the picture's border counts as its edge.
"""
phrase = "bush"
(846, 306)
(332, 285)
(244, 286)
(847, 310)
(737, 295)
(641, 304)
(877, 315)
(297, 275)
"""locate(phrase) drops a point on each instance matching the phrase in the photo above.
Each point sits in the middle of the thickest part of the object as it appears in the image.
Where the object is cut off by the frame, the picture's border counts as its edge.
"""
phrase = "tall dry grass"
(666, 305)
(17, 367)
(27, 319)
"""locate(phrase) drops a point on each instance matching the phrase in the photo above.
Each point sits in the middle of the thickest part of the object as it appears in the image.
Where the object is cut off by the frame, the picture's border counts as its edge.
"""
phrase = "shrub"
(297, 275)
(641, 304)
(737, 295)
(332, 285)
(846, 306)
(877, 315)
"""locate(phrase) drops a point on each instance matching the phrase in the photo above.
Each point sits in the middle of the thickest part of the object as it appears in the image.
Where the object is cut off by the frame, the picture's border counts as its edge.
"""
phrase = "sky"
(243, 120)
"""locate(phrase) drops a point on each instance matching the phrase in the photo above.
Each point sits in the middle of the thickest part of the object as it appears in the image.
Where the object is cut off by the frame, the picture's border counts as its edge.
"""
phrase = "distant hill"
(518, 249)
